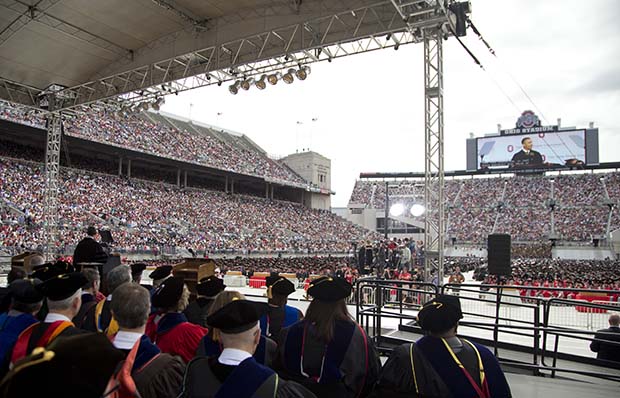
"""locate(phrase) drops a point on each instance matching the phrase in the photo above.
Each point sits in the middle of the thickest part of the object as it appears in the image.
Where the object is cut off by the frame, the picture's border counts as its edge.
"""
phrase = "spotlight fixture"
(261, 83)
(158, 103)
(417, 210)
(144, 106)
(234, 88)
(397, 210)
(273, 78)
(303, 72)
(247, 83)
(288, 76)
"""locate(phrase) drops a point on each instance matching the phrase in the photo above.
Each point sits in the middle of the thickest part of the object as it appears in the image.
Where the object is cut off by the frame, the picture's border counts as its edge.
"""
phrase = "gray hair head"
(131, 304)
(117, 276)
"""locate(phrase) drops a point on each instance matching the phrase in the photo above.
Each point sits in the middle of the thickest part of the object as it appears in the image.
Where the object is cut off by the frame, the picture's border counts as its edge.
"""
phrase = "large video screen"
(548, 150)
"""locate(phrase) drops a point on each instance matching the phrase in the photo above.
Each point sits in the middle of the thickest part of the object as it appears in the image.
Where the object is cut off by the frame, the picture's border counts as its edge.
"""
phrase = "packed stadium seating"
(517, 205)
(144, 215)
(175, 139)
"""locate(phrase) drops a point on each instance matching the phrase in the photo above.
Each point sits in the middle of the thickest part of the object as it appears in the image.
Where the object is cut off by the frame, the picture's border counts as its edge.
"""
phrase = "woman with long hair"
(328, 352)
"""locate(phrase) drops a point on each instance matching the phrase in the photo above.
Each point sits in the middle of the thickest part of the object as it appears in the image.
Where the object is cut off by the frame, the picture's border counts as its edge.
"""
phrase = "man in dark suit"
(89, 250)
(607, 341)
(527, 156)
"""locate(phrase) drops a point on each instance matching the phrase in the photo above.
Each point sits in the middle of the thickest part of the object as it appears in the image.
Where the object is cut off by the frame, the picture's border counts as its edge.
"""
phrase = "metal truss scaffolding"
(434, 224)
(52, 168)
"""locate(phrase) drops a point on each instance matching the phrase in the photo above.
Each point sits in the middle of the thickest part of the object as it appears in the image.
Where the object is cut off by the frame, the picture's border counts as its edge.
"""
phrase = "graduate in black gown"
(235, 373)
(78, 366)
(210, 345)
(280, 315)
(155, 374)
(442, 364)
(63, 294)
(328, 352)
(207, 288)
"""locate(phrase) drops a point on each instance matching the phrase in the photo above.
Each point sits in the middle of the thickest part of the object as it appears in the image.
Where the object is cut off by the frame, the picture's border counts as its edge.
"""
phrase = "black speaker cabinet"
(499, 254)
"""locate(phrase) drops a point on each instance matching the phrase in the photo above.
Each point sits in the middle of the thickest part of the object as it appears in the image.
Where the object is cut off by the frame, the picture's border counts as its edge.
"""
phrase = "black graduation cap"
(329, 288)
(63, 286)
(137, 268)
(168, 293)
(210, 286)
(237, 316)
(49, 270)
(440, 314)
(75, 366)
(279, 285)
(161, 272)
(25, 291)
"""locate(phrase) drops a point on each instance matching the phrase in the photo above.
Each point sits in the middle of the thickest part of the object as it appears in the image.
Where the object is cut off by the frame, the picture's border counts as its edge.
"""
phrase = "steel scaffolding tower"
(52, 168)
(434, 222)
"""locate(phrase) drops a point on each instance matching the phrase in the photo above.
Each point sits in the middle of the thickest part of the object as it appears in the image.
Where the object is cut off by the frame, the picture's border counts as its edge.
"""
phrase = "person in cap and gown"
(64, 298)
(173, 333)
(89, 296)
(328, 352)
(207, 288)
(441, 364)
(26, 301)
(155, 374)
(88, 250)
(78, 366)
(160, 274)
(235, 372)
(280, 315)
(211, 344)
(14, 274)
(136, 275)
(99, 318)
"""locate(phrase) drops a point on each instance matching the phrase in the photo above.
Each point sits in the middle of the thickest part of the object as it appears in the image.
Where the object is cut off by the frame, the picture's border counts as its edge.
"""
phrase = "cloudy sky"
(370, 107)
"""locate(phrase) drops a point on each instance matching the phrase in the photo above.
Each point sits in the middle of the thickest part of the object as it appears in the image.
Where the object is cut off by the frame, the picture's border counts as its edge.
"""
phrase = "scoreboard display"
(531, 151)
(533, 147)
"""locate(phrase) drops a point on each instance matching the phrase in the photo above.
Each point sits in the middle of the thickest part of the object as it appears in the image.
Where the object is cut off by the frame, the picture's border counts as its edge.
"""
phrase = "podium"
(20, 259)
(192, 270)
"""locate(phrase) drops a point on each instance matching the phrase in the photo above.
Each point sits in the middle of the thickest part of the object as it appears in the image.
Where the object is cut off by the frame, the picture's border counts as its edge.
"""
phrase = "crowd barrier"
(501, 316)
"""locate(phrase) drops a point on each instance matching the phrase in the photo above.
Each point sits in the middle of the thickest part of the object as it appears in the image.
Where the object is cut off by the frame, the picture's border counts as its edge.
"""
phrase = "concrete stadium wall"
(581, 253)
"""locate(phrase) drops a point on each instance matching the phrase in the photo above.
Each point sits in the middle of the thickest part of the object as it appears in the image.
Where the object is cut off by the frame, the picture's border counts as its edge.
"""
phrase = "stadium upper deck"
(155, 134)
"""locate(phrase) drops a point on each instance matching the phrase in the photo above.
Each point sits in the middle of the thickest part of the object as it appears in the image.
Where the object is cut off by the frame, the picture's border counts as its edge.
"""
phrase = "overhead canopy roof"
(75, 43)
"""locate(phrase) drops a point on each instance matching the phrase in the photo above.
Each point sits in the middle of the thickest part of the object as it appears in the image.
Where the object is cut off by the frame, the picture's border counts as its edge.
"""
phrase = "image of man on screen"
(527, 156)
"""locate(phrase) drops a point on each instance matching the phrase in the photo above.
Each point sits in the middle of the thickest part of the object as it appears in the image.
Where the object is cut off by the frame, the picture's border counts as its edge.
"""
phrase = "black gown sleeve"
(290, 389)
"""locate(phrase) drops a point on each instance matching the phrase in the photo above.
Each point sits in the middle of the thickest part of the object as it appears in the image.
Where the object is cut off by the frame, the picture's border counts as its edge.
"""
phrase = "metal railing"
(501, 317)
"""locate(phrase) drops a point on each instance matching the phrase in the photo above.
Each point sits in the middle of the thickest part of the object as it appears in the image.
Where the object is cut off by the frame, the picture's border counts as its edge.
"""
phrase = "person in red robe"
(173, 334)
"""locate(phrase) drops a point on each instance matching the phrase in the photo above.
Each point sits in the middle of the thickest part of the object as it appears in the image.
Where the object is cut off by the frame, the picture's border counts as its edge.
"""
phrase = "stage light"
(158, 103)
(417, 210)
(247, 83)
(288, 76)
(303, 72)
(261, 83)
(397, 210)
(234, 88)
(273, 78)
(144, 106)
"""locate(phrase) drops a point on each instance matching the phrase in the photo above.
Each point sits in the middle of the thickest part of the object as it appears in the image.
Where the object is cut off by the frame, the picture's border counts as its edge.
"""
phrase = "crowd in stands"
(522, 206)
(143, 215)
(559, 273)
(142, 132)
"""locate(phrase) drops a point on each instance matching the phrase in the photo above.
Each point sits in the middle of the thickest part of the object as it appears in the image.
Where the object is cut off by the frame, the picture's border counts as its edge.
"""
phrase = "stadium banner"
(532, 151)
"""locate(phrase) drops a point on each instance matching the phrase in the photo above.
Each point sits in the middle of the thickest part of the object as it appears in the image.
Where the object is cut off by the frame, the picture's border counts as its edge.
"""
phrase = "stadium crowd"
(142, 132)
(144, 215)
(521, 206)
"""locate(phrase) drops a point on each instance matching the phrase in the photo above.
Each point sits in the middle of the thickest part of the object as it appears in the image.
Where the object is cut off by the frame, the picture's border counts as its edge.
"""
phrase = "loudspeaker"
(498, 249)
